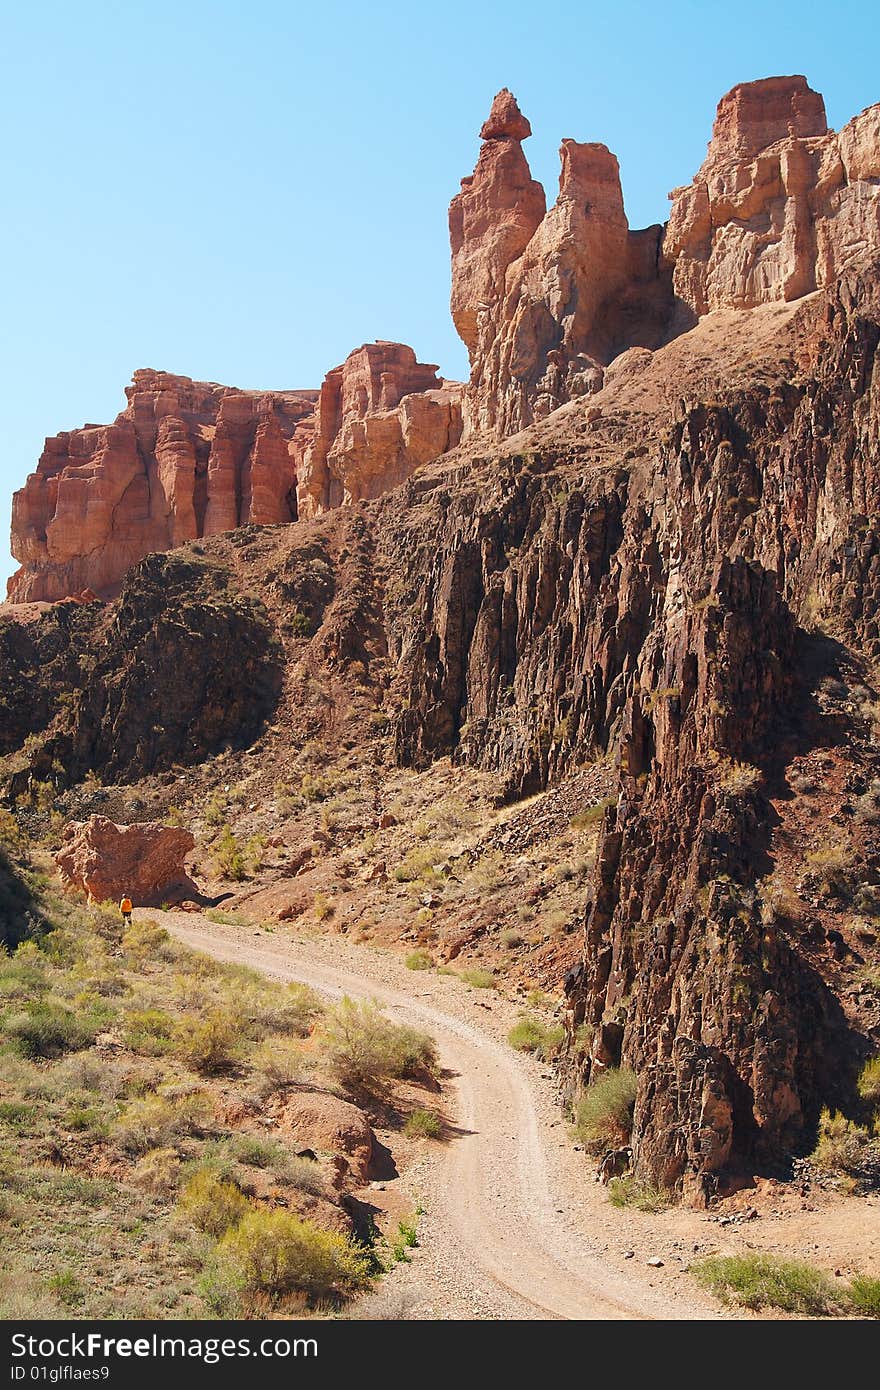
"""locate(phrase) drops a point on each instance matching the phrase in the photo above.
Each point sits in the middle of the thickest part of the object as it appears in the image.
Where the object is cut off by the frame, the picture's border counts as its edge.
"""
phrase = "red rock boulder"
(145, 860)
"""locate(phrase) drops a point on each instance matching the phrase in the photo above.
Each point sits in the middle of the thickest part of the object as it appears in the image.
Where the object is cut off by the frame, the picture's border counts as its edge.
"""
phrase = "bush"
(479, 979)
(48, 1030)
(280, 1010)
(419, 960)
(419, 863)
(423, 1124)
(229, 857)
(869, 1082)
(275, 1253)
(864, 1295)
(364, 1049)
(215, 809)
(144, 939)
(766, 1281)
(604, 1115)
(511, 938)
(322, 907)
(531, 1035)
(209, 1045)
(280, 1065)
(148, 1031)
(25, 974)
(157, 1172)
(846, 1148)
(212, 1205)
(644, 1196)
(152, 1122)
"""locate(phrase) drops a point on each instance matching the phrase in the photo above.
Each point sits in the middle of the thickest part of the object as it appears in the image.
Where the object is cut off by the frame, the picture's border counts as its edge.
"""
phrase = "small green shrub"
(766, 1281)
(478, 979)
(419, 960)
(592, 815)
(144, 939)
(209, 1045)
(423, 1124)
(158, 1171)
(212, 1205)
(66, 1288)
(229, 856)
(364, 1049)
(215, 809)
(153, 1121)
(869, 1082)
(603, 1119)
(418, 864)
(313, 788)
(48, 1030)
(529, 1034)
(322, 907)
(148, 1031)
(511, 938)
(846, 1148)
(628, 1191)
(16, 1115)
(864, 1294)
(274, 1252)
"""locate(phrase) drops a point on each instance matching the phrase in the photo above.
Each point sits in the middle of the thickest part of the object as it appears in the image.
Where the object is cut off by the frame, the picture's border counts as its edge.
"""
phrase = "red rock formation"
(380, 416)
(780, 206)
(187, 459)
(105, 860)
(543, 299)
(184, 459)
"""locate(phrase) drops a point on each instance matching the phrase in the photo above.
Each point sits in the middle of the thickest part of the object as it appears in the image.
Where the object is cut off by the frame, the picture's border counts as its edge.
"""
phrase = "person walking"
(125, 907)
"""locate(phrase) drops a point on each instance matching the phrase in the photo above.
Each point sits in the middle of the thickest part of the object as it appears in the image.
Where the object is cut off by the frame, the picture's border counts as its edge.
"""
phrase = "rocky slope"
(671, 579)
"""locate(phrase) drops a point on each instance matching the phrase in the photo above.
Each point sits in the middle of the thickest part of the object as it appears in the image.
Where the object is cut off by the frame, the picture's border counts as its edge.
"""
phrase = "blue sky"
(243, 192)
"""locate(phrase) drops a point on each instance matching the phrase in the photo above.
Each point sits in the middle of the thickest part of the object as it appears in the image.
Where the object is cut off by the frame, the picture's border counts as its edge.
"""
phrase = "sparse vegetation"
(848, 1150)
(423, 1124)
(365, 1050)
(628, 1191)
(766, 1281)
(419, 960)
(869, 1082)
(530, 1034)
(273, 1253)
(603, 1118)
(212, 1205)
(478, 978)
(176, 1160)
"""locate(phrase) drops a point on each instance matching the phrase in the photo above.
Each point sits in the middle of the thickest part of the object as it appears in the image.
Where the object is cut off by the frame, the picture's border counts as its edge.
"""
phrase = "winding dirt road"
(512, 1229)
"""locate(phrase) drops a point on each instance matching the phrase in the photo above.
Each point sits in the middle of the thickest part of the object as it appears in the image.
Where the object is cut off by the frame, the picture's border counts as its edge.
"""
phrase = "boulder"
(105, 860)
(326, 1124)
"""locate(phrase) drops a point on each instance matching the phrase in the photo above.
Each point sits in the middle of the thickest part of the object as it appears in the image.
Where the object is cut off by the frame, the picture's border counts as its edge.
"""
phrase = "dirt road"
(512, 1228)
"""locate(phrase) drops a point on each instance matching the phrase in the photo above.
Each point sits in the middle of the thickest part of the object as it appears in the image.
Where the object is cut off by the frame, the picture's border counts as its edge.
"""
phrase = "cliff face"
(184, 459)
(781, 206)
(189, 459)
(640, 581)
(379, 417)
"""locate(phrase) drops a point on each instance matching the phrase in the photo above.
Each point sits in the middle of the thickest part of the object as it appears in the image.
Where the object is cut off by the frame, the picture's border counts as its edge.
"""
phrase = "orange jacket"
(125, 905)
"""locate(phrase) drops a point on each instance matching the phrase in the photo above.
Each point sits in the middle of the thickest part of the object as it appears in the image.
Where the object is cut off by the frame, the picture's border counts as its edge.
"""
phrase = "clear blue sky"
(246, 191)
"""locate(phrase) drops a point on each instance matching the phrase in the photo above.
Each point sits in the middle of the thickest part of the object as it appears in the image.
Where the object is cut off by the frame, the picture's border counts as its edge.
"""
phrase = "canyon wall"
(189, 459)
